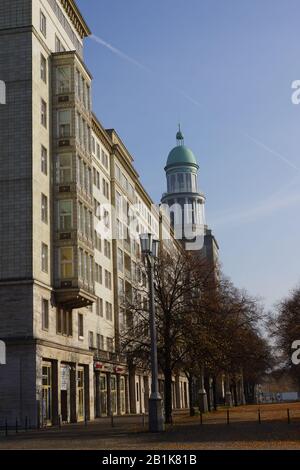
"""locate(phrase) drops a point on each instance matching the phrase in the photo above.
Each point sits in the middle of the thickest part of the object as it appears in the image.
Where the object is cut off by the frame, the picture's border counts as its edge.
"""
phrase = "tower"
(185, 201)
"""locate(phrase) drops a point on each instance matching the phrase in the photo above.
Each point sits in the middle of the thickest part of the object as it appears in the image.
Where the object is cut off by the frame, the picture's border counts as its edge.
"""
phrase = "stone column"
(109, 401)
(87, 398)
(73, 393)
(97, 397)
(118, 395)
(203, 405)
(56, 379)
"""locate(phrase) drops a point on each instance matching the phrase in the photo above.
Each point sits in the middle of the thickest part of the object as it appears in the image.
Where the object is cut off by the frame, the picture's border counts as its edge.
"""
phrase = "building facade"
(67, 257)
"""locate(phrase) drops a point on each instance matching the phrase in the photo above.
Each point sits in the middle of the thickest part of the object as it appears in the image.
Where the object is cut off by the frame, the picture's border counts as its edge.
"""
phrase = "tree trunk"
(215, 393)
(235, 394)
(206, 385)
(191, 395)
(168, 395)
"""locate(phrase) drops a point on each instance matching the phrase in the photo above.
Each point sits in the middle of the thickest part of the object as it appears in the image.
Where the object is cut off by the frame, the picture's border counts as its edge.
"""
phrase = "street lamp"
(149, 248)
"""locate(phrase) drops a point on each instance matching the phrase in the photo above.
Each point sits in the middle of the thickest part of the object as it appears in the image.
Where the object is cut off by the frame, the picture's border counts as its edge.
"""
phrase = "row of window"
(83, 133)
(64, 325)
(100, 342)
(101, 155)
(105, 184)
(66, 265)
(123, 180)
(101, 214)
(99, 306)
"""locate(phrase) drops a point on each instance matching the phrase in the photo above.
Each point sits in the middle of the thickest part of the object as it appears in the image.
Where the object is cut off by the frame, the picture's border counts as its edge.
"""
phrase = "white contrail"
(141, 66)
(119, 53)
(273, 152)
(263, 209)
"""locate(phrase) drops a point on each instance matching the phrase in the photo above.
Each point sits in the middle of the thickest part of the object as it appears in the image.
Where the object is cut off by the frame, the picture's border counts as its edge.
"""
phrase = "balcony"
(71, 294)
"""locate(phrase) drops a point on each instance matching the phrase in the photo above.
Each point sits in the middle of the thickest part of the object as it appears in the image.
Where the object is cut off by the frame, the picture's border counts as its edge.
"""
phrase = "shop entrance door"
(65, 393)
(46, 394)
(80, 386)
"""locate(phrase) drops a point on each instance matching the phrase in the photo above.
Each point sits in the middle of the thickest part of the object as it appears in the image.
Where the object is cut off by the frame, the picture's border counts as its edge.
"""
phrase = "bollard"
(26, 423)
(85, 420)
(59, 421)
(201, 418)
(288, 416)
(259, 417)
(112, 420)
(6, 428)
(227, 416)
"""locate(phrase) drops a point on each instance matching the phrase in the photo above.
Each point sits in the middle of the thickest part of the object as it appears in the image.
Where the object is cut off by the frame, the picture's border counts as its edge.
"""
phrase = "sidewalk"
(186, 433)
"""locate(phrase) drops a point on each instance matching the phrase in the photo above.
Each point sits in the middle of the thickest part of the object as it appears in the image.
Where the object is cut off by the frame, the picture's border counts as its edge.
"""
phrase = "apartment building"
(67, 258)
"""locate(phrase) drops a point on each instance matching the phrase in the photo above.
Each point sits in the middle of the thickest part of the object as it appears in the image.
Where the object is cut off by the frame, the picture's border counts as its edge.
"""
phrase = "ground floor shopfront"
(45, 384)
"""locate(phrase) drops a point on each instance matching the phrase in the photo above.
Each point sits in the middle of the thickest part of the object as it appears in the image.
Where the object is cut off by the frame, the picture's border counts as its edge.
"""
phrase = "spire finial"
(179, 136)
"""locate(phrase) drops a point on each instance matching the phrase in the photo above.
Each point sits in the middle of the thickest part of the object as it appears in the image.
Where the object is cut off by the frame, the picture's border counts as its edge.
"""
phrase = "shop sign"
(65, 378)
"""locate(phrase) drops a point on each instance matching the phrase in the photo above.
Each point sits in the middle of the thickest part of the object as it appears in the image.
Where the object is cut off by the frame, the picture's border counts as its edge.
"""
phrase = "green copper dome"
(181, 155)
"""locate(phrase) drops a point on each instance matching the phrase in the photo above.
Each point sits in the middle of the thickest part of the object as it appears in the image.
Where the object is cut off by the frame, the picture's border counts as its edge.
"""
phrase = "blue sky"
(224, 69)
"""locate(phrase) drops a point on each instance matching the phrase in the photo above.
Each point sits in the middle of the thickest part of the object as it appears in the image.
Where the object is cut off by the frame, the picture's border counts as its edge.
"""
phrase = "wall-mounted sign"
(2, 353)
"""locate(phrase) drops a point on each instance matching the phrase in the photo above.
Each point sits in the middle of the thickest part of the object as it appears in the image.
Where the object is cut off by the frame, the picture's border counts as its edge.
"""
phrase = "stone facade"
(60, 294)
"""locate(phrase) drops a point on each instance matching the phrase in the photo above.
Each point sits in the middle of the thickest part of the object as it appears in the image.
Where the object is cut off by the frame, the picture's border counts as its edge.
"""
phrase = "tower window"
(43, 24)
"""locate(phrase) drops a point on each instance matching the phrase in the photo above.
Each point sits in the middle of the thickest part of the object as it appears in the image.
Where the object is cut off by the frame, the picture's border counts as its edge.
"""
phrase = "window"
(43, 68)
(107, 279)
(65, 215)
(100, 342)
(120, 260)
(44, 258)
(43, 113)
(91, 339)
(57, 44)
(98, 241)
(108, 311)
(110, 344)
(44, 160)
(99, 307)
(98, 151)
(80, 263)
(64, 123)
(78, 84)
(64, 322)
(45, 314)
(104, 159)
(64, 168)
(118, 173)
(43, 24)
(105, 188)
(98, 272)
(66, 262)
(44, 208)
(106, 219)
(80, 326)
(63, 80)
(107, 249)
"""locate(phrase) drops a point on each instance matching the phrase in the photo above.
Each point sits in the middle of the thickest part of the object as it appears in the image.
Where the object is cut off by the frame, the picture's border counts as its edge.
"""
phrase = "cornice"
(76, 17)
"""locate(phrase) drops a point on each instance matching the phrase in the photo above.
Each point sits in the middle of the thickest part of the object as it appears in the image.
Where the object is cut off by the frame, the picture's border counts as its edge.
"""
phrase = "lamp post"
(149, 248)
